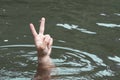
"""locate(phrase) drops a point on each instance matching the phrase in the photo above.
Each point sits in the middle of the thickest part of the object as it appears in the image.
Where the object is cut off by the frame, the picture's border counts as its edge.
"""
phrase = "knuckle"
(47, 35)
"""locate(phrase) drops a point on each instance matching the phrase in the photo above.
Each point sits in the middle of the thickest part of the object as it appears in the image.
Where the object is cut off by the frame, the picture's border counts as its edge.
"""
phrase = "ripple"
(70, 62)
(20, 79)
(92, 56)
(118, 14)
(103, 14)
(75, 27)
(109, 25)
(14, 46)
(105, 73)
(5, 40)
(115, 58)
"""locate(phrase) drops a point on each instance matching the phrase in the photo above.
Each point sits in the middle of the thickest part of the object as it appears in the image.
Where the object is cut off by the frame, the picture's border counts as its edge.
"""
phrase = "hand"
(43, 42)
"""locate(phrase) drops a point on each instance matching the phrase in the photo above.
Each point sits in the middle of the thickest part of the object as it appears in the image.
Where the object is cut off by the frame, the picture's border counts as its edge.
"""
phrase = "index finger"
(42, 26)
(33, 29)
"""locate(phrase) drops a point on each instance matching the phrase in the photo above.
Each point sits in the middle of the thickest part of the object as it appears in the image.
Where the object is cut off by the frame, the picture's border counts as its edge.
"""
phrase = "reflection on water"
(118, 14)
(20, 79)
(115, 59)
(72, 27)
(70, 63)
(108, 25)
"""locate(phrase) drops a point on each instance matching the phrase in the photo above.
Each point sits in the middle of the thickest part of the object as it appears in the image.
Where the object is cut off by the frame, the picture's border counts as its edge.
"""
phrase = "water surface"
(86, 38)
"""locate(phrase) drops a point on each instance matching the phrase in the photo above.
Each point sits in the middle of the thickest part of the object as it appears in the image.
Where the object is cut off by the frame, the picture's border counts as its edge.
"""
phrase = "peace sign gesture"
(43, 42)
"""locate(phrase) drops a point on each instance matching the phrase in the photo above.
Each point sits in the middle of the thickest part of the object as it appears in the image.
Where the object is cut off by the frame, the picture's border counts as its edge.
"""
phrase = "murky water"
(86, 38)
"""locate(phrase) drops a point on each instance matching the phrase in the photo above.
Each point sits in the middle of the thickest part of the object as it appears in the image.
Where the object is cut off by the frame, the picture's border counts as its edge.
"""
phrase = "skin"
(43, 45)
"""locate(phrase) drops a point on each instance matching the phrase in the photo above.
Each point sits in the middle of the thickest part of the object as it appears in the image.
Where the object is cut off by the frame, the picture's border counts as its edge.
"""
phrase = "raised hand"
(43, 42)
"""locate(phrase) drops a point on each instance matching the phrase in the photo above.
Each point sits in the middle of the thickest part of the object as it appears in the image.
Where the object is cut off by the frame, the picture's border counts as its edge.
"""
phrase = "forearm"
(44, 68)
(45, 62)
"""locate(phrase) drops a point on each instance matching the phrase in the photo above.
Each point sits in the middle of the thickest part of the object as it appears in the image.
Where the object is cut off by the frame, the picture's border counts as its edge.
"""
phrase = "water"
(86, 38)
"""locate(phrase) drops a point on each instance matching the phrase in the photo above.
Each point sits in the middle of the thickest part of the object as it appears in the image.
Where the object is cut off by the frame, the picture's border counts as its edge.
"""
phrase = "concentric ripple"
(70, 63)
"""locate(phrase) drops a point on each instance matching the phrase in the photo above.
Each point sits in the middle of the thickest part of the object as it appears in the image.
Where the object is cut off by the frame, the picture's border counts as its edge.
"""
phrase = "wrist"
(41, 53)
(46, 60)
(45, 63)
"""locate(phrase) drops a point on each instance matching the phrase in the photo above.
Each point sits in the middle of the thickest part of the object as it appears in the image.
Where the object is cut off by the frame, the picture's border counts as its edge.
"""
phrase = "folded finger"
(47, 39)
(50, 43)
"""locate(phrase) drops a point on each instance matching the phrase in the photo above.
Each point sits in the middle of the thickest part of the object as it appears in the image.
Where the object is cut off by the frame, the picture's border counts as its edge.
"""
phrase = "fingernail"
(43, 18)
(30, 24)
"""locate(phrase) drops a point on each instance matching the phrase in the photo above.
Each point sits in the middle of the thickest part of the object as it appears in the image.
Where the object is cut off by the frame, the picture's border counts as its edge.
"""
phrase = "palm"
(39, 41)
(42, 42)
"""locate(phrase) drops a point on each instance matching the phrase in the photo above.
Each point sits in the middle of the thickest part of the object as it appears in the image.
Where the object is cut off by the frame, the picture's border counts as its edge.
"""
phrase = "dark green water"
(86, 38)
